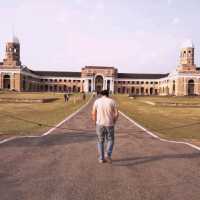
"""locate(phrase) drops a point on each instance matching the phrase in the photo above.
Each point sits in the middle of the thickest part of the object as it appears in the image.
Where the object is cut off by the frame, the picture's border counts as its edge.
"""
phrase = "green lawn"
(23, 118)
(169, 122)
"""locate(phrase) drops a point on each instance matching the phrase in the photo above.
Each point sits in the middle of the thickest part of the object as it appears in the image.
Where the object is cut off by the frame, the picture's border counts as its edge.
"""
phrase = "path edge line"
(156, 136)
(50, 130)
(67, 118)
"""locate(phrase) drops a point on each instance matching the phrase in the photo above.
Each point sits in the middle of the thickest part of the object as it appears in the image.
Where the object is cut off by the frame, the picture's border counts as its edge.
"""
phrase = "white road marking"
(157, 137)
(51, 130)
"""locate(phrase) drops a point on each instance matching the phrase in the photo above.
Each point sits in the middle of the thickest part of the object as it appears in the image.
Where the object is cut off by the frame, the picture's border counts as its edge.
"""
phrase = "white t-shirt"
(105, 108)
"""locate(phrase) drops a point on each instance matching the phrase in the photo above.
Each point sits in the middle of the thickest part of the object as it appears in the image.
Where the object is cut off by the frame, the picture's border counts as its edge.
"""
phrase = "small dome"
(15, 40)
(187, 44)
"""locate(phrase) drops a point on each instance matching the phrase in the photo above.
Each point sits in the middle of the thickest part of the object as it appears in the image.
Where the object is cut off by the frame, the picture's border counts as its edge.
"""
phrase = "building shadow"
(133, 161)
(51, 140)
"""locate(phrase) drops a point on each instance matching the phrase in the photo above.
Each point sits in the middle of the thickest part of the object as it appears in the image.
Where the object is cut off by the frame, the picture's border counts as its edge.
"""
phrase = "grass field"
(24, 118)
(169, 122)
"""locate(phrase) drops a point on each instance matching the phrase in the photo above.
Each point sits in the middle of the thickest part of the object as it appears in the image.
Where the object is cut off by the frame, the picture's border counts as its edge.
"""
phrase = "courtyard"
(168, 117)
(63, 164)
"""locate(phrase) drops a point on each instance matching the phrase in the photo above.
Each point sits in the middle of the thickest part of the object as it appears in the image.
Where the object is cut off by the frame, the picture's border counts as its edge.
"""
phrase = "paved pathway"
(63, 165)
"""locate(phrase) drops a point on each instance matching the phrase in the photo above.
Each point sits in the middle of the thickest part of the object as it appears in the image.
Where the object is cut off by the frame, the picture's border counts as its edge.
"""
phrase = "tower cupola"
(187, 57)
(12, 57)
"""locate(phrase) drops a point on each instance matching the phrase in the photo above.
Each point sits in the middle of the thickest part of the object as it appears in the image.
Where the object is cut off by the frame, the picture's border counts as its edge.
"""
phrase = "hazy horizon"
(133, 36)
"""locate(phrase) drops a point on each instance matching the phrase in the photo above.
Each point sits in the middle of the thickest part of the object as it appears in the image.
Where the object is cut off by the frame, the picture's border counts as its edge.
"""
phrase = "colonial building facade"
(185, 80)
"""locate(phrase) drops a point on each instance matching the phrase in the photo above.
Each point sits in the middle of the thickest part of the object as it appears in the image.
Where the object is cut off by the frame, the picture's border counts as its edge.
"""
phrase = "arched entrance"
(191, 87)
(6, 82)
(98, 84)
(151, 91)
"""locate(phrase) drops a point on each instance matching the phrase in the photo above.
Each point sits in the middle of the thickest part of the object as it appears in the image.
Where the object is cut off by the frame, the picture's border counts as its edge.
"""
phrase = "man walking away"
(105, 115)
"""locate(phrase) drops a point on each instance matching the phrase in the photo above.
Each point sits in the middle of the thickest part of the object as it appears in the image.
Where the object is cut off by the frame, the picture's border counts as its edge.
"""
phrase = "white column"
(112, 85)
(92, 84)
(105, 84)
(86, 85)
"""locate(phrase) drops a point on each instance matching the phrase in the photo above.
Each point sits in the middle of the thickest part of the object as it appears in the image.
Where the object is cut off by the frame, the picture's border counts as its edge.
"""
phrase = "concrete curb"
(157, 137)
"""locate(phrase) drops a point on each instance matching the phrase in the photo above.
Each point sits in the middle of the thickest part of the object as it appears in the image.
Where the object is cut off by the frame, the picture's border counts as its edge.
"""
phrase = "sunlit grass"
(15, 117)
(170, 122)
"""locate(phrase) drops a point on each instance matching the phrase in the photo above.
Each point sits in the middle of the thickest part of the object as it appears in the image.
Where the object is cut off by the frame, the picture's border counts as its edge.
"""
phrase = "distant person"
(105, 115)
(66, 97)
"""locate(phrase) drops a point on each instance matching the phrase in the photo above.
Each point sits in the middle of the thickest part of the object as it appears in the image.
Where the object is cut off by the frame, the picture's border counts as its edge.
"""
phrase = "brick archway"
(191, 87)
(6, 82)
(98, 83)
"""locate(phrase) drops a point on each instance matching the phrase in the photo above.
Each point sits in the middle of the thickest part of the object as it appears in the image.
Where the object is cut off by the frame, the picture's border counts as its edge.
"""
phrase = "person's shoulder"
(97, 101)
(111, 100)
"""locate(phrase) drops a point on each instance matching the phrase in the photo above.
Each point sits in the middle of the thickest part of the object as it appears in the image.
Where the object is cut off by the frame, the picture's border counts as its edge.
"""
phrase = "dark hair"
(104, 93)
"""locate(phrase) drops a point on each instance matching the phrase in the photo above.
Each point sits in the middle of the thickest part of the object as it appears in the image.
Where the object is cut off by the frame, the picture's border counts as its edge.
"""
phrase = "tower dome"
(187, 44)
(15, 40)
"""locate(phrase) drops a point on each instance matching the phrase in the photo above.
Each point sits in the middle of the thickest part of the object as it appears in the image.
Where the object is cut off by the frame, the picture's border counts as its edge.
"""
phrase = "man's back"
(105, 114)
(105, 109)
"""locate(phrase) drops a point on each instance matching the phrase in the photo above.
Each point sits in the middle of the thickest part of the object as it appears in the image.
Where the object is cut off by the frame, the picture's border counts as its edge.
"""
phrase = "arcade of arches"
(185, 80)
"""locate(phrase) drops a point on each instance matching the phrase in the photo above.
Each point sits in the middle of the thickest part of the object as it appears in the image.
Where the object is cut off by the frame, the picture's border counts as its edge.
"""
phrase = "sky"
(135, 36)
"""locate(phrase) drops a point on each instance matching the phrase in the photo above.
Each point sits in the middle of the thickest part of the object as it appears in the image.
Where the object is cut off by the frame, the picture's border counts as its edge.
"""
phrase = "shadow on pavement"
(51, 140)
(146, 159)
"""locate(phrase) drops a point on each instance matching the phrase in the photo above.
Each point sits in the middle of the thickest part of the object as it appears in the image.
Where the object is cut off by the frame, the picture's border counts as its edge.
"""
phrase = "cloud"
(169, 2)
(100, 5)
(176, 20)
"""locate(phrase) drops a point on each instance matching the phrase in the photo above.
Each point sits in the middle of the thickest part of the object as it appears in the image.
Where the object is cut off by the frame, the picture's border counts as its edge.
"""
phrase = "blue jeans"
(105, 133)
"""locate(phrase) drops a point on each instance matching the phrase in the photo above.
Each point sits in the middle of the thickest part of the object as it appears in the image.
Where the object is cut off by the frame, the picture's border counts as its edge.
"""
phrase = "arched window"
(142, 91)
(6, 82)
(132, 90)
(174, 86)
(119, 90)
(191, 87)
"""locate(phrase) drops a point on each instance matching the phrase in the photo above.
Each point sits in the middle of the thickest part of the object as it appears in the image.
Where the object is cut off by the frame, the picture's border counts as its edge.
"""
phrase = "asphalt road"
(63, 165)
